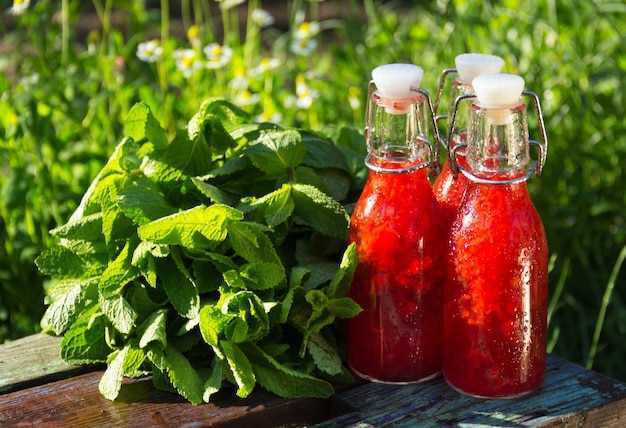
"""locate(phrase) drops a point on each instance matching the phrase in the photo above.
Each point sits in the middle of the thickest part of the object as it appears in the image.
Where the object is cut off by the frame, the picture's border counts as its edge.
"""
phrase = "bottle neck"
(497, 144)
(396, 133)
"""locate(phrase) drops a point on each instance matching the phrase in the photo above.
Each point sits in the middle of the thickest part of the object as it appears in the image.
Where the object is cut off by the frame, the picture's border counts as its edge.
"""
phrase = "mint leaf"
(277, 206)
(340, 284)
(121, 362)
(212, 323)
(180, 372)
(119, 272)
(182, 294)
(325, 355)
(240, 367)
(214, 193)
(282, 380)
(276, 151)
(61, 262)
(153, 329)
(214, 381)
(119, 312)
(141, 125)
(249, 241)
(251, 322)
(343, 307)
(84, 342)
(68, 298)
(200, 227)
(320, 211)
(256, 276)
(142, 201)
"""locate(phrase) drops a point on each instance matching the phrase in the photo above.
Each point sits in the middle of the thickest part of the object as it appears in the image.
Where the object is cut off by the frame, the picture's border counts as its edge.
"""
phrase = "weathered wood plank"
(32, 394)
(571, 396)
(33, 360)
(76, 402)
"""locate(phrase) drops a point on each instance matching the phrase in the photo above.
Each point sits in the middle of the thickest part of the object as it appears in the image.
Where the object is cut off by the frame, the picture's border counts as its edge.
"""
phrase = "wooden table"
(38, 389)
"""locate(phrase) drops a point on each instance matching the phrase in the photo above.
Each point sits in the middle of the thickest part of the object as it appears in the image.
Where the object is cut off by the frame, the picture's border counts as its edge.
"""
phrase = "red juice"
(495, 309)
(398, 230)
(449, 190)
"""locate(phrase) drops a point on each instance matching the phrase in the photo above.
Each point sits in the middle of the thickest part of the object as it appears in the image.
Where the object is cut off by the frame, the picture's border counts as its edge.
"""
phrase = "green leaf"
(119, 272)
(282, 380)
(84, 342)
(143, 202)
(276, 151)
(240, 367)
(212, 323)
(214, 193)
(181, 292)
(88, 228)
(141, 125)
(153, 330)
(60, 262)
(123, 362)
(68, 297)
(256, 276)
(209, 128)
(343, 307)
(340, 284)
(322, 153)
(182, 158)
(321, 212)
(249, 241)
(325, 355)
(200, 227)
(111, 174)
(251, 322)
(277, 206)
(214, 381)
(180, 372)
(119, 312)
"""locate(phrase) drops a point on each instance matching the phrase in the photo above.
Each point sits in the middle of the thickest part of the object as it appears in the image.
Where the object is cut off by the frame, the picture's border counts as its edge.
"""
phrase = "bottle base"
(494, 396)
(395, 382)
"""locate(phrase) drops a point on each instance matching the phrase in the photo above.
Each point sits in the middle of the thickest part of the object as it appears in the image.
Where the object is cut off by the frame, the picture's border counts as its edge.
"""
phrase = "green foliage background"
(64, 96)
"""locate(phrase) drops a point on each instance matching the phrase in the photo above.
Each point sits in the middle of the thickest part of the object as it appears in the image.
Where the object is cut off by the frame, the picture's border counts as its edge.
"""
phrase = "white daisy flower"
(266, 64)
(247, 98)
(19, 7)
(187, 61)
(303, 47)
(229, 4)
(218, 55)
(270, 118)
(306, 30)
(262, 18)
(150, 51)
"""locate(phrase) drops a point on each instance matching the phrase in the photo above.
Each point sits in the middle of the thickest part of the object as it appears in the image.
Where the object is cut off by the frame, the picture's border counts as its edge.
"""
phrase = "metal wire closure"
(440, 117)
(534, 169)
(433, 161)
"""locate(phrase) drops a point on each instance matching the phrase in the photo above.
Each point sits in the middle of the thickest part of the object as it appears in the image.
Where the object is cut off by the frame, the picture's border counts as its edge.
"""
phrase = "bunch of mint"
(216, 259)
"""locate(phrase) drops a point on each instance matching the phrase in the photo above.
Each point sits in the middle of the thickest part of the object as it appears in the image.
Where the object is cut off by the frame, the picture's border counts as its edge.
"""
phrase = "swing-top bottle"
(496, 277)
(449, 188)
(398, 230)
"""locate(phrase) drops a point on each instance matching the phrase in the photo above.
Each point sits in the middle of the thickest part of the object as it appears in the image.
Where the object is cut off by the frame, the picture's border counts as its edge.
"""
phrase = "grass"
(64, 94)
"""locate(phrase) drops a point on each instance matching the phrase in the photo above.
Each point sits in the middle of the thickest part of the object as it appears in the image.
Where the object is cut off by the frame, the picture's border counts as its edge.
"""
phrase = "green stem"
(165, 33)
(65, 31)
(606, 300)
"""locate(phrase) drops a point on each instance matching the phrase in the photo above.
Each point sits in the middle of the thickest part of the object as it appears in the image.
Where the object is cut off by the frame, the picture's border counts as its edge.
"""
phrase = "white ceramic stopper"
(471, 65)
(397, 80)
(500, 90)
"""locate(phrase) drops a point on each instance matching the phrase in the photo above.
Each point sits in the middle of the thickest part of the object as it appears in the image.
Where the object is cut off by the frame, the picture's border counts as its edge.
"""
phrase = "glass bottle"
(496, 267)
(397, 227)
(449, 187)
